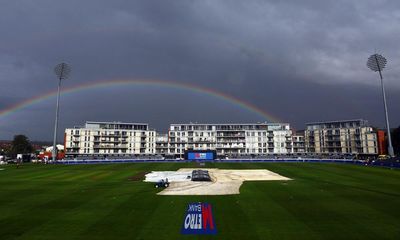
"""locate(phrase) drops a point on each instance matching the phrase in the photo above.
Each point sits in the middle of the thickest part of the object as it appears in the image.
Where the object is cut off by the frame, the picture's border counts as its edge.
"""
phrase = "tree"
(396, 140)
(20, 144)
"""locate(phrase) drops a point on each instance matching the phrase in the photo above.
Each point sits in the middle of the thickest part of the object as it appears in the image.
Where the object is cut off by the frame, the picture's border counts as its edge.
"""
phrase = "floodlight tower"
(377, 63)
(62, 71)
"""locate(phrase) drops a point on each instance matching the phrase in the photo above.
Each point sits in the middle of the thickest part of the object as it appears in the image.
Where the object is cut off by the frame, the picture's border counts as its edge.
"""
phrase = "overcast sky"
(301, 61)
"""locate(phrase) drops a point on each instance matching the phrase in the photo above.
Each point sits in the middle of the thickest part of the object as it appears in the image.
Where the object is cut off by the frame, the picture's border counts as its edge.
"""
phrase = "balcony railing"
(110, 146)
(229, 146)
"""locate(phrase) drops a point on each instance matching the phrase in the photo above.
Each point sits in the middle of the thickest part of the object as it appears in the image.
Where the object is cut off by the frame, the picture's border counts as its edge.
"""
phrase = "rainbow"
(152, 83)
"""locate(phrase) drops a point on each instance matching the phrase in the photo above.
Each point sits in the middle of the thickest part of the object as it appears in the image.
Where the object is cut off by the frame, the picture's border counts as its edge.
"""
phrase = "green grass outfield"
(324, 201)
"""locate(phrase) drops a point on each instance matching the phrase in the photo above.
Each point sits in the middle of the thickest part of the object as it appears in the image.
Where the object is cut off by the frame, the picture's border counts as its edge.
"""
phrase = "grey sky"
(301, 61)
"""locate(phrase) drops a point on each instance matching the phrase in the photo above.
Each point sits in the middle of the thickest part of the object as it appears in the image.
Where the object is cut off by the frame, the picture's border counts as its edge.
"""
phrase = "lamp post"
(377, 63)
(62, 71)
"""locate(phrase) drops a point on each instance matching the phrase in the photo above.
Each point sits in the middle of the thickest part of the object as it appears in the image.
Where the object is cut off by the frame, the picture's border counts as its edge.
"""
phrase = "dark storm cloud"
(300, 60)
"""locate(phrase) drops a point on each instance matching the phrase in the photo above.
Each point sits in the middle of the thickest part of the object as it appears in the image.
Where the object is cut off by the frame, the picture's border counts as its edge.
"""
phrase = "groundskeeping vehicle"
(162, 184)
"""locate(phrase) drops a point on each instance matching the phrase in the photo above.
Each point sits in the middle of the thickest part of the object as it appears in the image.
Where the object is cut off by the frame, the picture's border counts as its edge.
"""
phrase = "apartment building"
(298, 142)
(162, 145)
(341, 137)
(110, 139)
(231, 139)
(118, 139)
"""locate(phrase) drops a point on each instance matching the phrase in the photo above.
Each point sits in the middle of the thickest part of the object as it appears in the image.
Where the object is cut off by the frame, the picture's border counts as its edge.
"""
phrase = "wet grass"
(324, 201)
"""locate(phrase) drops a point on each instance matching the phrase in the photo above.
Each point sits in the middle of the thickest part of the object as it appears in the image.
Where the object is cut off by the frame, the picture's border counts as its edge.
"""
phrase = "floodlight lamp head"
(62, 70)
(376, 62)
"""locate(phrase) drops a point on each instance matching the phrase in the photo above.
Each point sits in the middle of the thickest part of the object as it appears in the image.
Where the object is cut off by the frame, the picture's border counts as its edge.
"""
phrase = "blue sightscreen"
(200, 156)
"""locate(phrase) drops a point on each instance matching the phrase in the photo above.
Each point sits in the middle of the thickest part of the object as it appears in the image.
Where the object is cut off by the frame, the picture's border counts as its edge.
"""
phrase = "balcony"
(333, 146)
(332, 140)
(109, 141)
(231, 135)
(112, 135)
(229, 141)
(110, 146)
(229, 146)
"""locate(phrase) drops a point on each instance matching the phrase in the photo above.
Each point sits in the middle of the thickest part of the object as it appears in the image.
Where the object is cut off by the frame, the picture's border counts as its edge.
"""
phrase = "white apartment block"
(298, 143)
(341, 137)
(231, 139)
(110, 139)
(162, 145)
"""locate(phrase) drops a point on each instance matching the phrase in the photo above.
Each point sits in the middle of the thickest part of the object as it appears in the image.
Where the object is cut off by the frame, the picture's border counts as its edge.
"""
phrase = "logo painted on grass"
(199, 219)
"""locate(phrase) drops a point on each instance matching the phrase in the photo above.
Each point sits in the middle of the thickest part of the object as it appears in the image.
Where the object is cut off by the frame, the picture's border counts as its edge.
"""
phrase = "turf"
(324, 201)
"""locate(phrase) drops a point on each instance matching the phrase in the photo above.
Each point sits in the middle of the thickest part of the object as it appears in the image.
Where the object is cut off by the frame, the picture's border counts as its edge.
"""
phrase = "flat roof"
(124, 123)
(264, 123)
(338, 121)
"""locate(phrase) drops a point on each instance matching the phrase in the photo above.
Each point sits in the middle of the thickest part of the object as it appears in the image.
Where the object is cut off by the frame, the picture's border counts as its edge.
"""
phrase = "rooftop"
(121, 123)
(338, 121)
